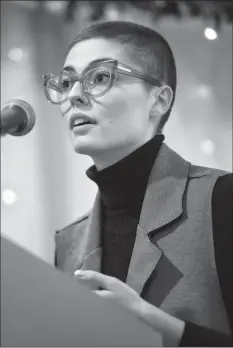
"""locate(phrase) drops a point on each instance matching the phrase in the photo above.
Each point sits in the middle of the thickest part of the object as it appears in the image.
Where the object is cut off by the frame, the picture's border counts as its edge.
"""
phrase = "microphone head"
(19, 106)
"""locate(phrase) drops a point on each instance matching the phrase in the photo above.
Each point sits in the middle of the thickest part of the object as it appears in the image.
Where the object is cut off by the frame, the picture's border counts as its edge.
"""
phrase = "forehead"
(84, 52)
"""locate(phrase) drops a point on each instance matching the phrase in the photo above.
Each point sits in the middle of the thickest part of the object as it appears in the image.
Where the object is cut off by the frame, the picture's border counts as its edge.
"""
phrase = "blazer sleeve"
(222, 218)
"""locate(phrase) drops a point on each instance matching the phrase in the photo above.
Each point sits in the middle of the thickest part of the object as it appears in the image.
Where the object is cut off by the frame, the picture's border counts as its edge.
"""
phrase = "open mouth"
(81, 123)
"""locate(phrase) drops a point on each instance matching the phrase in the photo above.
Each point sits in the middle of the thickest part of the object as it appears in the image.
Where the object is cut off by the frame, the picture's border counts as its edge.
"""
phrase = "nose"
(77, 95)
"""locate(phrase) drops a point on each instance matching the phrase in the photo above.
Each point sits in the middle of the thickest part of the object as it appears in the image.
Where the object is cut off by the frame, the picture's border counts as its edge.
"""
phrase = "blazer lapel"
(89, 253)
(145, 257)
(162, 204)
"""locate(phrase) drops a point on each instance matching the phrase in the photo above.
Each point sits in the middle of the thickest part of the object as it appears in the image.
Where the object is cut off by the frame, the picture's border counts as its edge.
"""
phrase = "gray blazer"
(172, 264)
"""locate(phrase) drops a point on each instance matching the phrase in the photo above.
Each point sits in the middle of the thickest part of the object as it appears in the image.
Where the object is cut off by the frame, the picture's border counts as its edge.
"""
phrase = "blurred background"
(43, 181)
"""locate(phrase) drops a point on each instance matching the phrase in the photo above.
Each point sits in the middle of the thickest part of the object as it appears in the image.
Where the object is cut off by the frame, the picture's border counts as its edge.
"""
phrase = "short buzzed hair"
(143, 45)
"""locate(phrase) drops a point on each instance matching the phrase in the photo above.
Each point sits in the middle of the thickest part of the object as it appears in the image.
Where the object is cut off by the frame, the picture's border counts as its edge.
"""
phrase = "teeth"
(79, 122)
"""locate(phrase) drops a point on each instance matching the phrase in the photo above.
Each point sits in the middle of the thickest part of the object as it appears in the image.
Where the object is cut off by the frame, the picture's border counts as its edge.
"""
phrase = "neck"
(122, 185)
(110, 157)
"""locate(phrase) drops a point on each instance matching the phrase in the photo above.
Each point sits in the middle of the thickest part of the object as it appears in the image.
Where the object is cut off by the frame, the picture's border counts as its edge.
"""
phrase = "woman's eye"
(65, 84)
(101, 78)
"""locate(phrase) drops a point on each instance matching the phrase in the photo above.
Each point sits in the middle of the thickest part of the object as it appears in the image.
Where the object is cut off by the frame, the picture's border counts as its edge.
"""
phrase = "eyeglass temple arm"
(139, 75)
(55, 86)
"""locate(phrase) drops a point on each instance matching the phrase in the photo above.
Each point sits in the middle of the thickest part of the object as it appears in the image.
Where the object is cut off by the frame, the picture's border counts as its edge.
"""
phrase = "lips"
(77, 120)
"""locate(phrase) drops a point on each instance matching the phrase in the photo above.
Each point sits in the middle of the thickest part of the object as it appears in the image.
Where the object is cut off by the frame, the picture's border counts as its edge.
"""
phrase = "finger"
(100, 279)
(86, 281)
(103, 293)
(88, 284)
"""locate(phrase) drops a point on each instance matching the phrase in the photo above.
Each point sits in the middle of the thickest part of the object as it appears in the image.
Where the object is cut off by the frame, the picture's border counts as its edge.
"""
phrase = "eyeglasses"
(96, 80)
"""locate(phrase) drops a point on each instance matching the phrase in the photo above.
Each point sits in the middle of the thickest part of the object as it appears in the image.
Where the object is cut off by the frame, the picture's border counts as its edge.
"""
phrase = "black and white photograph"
(116, 173)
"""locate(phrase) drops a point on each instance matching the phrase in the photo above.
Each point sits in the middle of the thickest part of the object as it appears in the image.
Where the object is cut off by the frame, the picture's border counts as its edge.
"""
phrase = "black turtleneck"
(122, 187)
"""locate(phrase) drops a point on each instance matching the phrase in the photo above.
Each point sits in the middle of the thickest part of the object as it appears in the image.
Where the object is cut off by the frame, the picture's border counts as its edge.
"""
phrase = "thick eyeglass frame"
(116, 67)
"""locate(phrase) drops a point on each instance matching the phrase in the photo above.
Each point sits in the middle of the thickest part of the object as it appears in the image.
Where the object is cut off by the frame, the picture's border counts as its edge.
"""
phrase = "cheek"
(64, 109)
(121, 102)
(127, 108)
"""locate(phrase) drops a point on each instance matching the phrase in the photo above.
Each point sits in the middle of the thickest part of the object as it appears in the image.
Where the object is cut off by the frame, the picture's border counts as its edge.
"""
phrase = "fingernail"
(79, 273)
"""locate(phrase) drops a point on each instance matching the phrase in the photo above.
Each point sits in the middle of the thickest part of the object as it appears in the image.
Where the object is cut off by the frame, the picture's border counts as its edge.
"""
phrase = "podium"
(44, 307)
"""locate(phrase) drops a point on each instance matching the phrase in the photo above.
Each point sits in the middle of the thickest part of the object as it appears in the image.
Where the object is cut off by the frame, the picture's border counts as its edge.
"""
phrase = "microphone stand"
(3, 132)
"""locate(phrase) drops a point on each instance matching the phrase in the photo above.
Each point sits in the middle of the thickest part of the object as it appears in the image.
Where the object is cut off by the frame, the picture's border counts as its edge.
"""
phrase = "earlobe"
(154, 100)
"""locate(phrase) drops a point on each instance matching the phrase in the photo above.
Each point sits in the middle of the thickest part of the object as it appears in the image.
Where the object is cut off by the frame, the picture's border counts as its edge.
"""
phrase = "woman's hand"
(113, 289)
(168, 326)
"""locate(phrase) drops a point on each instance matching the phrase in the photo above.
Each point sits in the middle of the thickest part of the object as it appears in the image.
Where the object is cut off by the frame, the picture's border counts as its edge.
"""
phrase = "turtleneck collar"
(122, 185)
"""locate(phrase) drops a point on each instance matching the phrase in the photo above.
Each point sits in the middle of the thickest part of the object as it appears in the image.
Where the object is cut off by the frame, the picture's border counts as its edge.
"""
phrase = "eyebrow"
(72, 69)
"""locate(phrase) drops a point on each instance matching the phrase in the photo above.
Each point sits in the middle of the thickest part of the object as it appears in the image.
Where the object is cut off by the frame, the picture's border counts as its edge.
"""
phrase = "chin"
(84, 147)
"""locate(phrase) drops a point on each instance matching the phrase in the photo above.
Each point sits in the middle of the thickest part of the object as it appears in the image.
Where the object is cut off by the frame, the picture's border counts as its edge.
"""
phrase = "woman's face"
(121, 117)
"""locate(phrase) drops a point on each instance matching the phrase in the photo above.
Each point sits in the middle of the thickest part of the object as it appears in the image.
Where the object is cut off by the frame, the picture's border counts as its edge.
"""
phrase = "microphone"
(17, 118)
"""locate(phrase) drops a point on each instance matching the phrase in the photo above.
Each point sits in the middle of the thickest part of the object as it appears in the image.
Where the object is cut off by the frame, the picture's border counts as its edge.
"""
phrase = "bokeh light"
(16, 54)
(208, 147)
(9, 196)
(204, 92)
(210, 34)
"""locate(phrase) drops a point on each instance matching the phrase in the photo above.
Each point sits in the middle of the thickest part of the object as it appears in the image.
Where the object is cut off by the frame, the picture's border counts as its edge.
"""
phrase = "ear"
(161, 100)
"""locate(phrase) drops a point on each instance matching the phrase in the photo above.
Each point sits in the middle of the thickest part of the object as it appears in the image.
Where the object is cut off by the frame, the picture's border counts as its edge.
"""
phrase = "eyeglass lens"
(96, 81)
